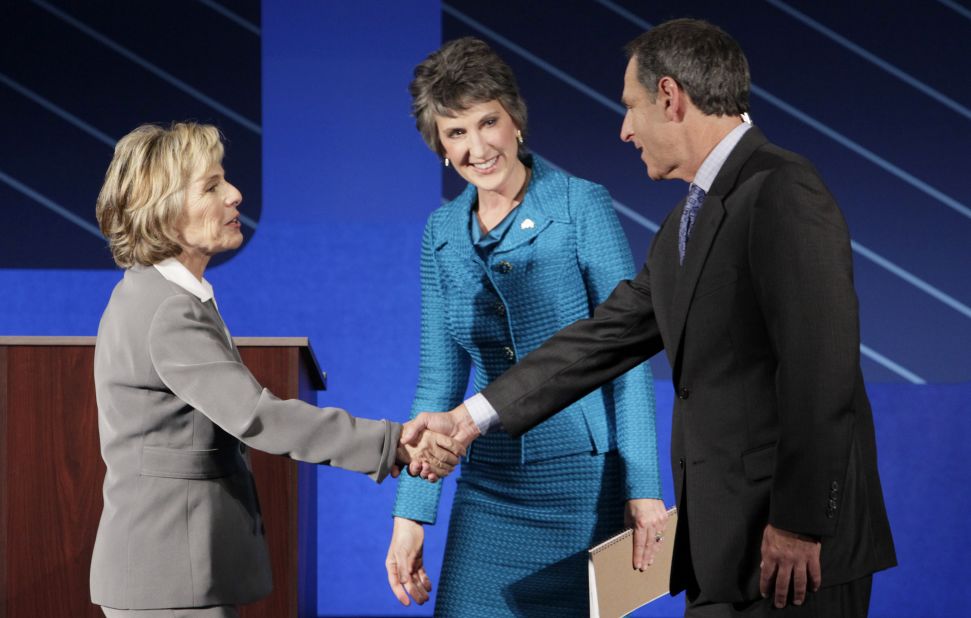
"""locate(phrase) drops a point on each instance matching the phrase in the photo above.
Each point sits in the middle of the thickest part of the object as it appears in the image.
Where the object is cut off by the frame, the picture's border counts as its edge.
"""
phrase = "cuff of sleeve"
(647, 485)
(483, 414)
(415, 516)
(389, 451)
(643, 494)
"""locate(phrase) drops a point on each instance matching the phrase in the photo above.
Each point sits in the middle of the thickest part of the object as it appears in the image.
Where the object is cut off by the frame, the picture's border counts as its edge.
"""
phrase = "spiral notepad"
(616, 588)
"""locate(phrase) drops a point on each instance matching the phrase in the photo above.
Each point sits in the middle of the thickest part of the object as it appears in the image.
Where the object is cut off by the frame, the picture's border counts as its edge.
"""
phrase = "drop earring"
(447, 163)
(519, 137)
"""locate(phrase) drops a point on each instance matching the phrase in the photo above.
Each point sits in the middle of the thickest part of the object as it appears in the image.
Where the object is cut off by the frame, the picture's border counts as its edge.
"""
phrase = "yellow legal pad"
(616, 588)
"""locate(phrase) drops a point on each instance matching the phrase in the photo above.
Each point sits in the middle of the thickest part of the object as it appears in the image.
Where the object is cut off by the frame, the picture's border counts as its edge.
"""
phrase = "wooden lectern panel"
(52, 472)
(52, 475)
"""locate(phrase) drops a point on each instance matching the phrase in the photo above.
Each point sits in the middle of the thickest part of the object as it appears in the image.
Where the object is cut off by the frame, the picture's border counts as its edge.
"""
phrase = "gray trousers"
(218, 611)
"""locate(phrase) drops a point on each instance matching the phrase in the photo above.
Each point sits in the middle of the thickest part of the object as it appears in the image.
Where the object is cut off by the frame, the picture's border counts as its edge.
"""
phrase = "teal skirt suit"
(526, 509)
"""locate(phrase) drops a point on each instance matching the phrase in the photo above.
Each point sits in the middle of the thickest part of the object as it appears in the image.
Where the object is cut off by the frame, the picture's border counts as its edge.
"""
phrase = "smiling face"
(210, 219)
(647, 125)
(481, 144)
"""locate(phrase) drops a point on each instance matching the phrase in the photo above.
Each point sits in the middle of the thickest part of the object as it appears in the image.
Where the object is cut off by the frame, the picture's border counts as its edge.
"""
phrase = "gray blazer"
(176, 409)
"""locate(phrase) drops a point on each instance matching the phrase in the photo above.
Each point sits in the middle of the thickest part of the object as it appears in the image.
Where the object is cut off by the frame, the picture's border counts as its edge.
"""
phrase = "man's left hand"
(787, 558)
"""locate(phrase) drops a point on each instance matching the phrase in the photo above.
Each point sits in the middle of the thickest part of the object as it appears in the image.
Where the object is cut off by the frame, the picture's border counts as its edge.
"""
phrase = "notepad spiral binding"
(615, 539)
(596, 549)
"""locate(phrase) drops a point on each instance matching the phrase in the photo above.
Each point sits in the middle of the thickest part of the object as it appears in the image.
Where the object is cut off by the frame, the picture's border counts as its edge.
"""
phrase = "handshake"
(432, 442)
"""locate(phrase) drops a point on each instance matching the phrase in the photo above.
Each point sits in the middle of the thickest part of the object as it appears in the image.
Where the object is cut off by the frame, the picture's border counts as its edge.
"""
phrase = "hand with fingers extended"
(647, 517)
(406, 572)
(428, 452)
(457, 425)
(789, 558)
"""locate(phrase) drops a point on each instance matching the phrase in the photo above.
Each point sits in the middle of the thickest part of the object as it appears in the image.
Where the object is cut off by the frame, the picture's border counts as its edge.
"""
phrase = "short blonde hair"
(143, 194)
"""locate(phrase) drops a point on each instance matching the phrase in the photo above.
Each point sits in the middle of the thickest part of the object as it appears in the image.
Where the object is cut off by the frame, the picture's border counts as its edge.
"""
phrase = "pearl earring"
(446, 162)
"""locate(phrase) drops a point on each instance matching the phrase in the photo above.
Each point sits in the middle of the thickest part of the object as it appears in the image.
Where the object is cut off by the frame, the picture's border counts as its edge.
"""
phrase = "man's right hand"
(406, 572)
(457, 424)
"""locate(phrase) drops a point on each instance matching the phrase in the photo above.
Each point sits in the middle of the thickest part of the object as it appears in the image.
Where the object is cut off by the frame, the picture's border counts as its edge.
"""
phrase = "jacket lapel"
(456, 226)
(532, 215)
(706, 229)
(528, 225)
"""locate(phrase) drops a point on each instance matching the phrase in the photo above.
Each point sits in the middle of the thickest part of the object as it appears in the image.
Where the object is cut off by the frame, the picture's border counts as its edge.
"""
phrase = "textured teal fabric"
(525, 554)
(563, 254)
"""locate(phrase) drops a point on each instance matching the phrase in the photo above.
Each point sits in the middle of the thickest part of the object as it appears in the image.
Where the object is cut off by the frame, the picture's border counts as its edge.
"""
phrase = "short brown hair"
(143, 194)
(460, 74)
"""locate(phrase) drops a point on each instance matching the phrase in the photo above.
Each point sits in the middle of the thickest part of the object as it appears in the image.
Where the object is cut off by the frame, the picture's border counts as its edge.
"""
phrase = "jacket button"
(683, 393)
(681, 463)
(242, 447)
(500, 308)
(510, 353)
(504, 267)
(835, 487)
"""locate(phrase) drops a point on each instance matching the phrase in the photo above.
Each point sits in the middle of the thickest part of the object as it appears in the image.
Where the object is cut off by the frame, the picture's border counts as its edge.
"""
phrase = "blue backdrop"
(871, 92)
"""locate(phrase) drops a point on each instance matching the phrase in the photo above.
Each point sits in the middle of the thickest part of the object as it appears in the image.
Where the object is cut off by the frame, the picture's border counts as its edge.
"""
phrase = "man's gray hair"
(701, 57)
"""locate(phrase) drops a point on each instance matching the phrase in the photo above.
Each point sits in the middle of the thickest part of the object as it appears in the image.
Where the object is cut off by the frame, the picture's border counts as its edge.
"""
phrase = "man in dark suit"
(748, 286)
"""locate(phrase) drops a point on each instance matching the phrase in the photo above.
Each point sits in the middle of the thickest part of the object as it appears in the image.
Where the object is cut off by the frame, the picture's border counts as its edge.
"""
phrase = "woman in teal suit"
(525, 250)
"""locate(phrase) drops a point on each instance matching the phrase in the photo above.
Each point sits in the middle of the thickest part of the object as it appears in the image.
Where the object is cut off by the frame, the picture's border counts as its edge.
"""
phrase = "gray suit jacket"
(176, 408)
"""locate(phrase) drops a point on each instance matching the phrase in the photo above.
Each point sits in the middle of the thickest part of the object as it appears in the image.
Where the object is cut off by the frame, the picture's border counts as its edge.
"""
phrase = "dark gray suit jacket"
(772, 422)
(176, 408)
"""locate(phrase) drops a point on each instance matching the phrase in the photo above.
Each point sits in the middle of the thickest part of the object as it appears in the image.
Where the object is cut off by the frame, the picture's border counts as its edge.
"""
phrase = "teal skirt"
(518, 536)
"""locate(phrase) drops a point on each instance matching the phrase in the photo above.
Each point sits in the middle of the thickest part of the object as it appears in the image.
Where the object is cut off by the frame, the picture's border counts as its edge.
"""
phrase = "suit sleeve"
(802, 269)
(443, 374)
(621, 334)
(194, 360)
(603, 253)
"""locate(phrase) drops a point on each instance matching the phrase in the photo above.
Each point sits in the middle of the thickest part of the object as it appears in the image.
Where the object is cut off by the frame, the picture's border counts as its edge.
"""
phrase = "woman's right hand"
(406, 572)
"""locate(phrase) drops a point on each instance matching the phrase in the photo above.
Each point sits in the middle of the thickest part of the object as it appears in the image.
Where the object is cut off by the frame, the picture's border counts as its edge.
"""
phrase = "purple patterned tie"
(696, 195)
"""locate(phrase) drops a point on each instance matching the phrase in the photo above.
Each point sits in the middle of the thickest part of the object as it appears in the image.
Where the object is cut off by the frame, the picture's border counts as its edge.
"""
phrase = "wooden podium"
(51, 473)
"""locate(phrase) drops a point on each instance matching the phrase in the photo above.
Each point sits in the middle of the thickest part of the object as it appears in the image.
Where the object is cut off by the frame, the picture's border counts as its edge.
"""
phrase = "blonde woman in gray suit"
(176, 406)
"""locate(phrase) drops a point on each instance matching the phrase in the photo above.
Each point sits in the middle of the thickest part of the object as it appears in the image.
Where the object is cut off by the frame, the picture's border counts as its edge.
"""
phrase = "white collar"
(176, 272)
(713, 163)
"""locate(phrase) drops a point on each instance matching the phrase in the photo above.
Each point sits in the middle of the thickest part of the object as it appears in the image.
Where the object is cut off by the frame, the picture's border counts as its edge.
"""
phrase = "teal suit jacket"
(562, 256)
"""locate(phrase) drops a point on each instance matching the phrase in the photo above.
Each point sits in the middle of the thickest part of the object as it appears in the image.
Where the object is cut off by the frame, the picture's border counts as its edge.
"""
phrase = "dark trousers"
(849, 600)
